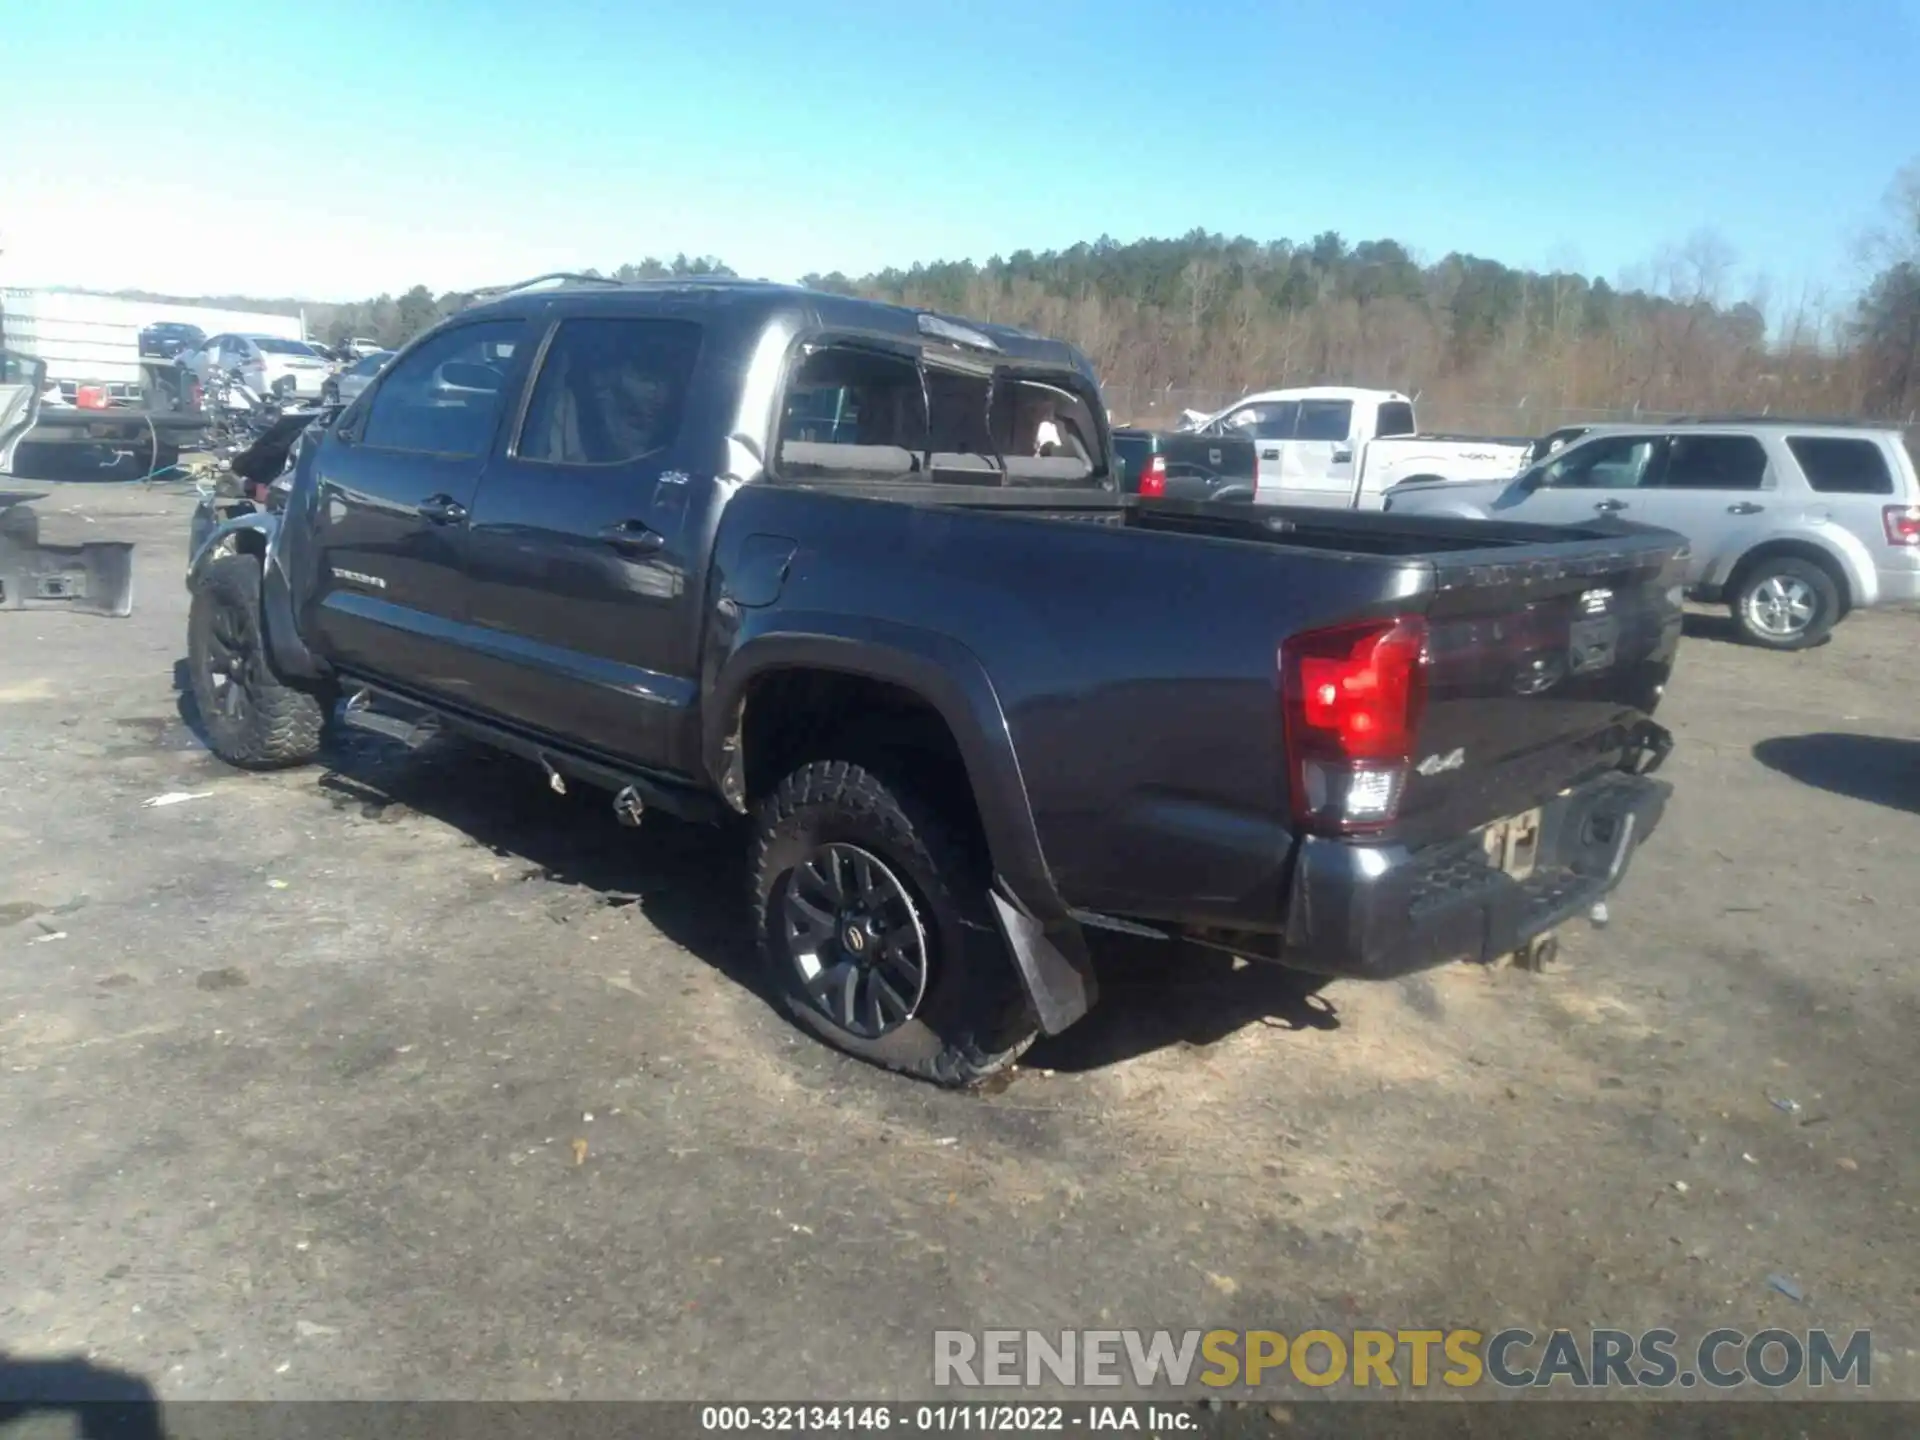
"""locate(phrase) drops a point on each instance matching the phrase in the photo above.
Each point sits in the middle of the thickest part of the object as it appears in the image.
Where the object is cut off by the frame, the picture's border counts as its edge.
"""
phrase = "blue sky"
(341, 149)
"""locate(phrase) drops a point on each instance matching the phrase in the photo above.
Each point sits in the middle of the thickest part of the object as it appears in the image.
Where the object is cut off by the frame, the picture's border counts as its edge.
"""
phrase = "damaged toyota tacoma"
(859, 579)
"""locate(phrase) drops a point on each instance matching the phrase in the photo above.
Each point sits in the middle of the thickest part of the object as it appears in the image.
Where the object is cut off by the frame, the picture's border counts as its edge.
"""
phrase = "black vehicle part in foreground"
(860, 579)
(1156, 464)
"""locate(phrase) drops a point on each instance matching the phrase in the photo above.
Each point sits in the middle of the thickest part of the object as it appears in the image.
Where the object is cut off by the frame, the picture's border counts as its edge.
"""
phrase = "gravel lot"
(405, 1077)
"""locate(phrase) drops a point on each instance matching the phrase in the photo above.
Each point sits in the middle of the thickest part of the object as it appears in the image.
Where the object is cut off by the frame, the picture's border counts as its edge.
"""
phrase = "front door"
(381, 584)
(1317, 463)
(1585, 482)
(578, 556)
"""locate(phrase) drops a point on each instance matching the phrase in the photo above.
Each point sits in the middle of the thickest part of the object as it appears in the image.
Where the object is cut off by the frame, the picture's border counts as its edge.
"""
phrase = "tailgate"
(1540, 671)
(1209, 456)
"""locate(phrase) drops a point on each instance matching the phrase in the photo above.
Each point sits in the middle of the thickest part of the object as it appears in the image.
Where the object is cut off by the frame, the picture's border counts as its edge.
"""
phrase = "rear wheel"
(1786, 603)
(251, 717)
(872, 920)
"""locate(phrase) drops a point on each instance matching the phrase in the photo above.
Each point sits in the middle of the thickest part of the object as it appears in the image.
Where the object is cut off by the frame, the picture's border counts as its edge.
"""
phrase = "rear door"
(1317, 463)
(396, 482)
(577, 555)
(21, 380)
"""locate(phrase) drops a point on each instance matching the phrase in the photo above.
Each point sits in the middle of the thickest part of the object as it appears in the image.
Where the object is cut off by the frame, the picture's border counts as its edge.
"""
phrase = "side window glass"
(1842, 466)
(1616, 464)
(610, 391)
(1273, 421)
(1714, 462)
(1395, 418)
(444, 396)
(1325, 420)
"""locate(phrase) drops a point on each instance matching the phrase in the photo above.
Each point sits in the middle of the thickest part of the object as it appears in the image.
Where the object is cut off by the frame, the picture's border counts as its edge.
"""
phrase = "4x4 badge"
(1440, 764)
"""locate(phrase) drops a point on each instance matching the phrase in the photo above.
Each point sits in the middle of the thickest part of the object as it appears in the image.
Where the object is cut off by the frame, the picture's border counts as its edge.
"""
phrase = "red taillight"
(92, 397)
(1903, 524)
(1352, 698)
(1153, 477)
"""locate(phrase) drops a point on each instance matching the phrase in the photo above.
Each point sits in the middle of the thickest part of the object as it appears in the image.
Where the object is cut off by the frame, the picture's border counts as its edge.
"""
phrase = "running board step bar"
(633, 792)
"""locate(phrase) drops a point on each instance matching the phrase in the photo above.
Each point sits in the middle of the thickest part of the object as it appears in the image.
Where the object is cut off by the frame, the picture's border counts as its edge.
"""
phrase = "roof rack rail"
(559, 277)
(1851, 421)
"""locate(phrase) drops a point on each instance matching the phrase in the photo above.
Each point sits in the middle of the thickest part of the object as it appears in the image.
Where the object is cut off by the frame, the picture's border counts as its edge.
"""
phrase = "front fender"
(936, 668)
(212, 537)
(256, 533)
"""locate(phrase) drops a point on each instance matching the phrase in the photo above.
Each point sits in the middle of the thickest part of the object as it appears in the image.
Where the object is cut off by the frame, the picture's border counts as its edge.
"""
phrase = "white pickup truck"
(1337, 445)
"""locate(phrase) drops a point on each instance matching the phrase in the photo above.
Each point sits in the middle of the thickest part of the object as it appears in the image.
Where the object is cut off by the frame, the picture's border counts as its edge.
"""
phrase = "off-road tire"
(274, 725)
(1815, 579)
(974, 1019)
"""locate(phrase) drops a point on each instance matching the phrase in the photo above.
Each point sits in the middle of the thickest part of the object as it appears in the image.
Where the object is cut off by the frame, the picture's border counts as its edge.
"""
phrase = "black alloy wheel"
(854, 938)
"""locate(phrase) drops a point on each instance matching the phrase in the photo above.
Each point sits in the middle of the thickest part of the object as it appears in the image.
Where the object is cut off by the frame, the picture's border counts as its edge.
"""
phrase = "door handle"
(442, 510)
(1745, 507)
(633, 537)
(1269, 454)
(1607, 507)
(1342, 456)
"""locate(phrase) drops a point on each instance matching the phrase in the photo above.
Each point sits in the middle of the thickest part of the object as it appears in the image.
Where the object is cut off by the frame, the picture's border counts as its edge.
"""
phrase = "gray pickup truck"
(794, 562)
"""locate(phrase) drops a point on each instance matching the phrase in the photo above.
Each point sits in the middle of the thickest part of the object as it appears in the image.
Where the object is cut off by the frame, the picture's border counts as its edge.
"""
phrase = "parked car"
(343, 387)
(360, 345)
(1345, 447)
(1155, 464)
(1355, 744)
(1790, 525)
(266, 362)
(166, 338)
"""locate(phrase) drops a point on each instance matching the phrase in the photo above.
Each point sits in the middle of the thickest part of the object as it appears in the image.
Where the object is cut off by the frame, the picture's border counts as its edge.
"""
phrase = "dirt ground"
(401, 1076)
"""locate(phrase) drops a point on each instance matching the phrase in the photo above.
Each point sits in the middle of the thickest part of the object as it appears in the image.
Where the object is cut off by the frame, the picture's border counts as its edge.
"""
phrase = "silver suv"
(1790, 525)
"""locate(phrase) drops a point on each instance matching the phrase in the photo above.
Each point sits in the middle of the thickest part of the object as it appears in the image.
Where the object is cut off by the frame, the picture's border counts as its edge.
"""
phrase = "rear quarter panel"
(1133, 674)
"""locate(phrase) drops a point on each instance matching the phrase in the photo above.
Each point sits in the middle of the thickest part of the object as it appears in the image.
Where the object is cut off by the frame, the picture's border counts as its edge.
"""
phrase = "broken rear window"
(857, 414)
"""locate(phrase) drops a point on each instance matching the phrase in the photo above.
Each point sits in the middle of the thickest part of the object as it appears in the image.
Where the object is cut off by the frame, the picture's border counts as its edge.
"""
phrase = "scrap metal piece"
(95, 578)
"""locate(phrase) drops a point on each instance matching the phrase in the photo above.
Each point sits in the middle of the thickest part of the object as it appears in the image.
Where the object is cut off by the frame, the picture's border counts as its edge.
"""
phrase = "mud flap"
(91, 579)
(1053, 962)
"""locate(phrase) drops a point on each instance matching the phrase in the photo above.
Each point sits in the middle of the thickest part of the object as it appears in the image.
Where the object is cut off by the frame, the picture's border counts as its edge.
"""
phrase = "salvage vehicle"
(268, 363)
(1341, 446)
(1155, 464)
(104, 401)
(96, 577)
(165, 339)
(912, 663)
(1790, 525)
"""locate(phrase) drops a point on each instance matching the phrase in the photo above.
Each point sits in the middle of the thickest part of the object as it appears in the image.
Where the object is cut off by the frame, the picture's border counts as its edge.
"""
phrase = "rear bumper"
(1900, 580)
(1374, 912)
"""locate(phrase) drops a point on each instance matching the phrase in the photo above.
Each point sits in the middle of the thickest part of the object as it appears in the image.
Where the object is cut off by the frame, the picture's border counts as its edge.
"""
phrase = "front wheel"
(1786, 604)
(252, 718)
(873, 922)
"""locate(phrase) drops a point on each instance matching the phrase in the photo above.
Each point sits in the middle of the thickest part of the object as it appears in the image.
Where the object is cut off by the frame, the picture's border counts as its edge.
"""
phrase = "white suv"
(1790, 525)
(264, 361)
